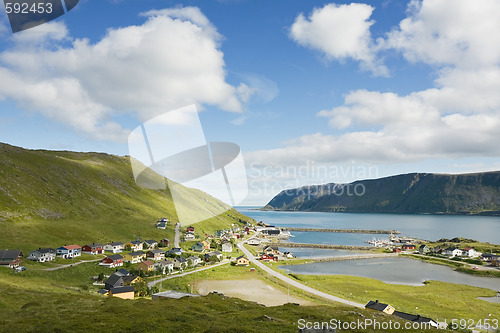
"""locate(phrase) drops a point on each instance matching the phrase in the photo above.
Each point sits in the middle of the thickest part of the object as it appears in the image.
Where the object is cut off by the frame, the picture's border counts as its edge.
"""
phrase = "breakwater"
(347, 231)
(325, 246)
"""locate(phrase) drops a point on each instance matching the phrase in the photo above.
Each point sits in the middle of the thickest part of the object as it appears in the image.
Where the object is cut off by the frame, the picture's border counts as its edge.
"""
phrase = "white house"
(470, 252)
(42, 255)
(253, 241)
(114, 247)
(165, 266)
(189, 236)
(180, 263)
(227, 247)
(453, 252)
(69, 251)
(194, 261)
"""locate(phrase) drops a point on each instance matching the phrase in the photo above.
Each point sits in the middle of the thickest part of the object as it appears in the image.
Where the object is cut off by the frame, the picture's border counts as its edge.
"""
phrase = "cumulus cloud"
(458, 117)
(171, 60)
(339, 32)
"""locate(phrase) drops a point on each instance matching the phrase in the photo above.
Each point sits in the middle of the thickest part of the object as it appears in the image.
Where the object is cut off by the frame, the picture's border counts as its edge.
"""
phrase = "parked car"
(20, 268)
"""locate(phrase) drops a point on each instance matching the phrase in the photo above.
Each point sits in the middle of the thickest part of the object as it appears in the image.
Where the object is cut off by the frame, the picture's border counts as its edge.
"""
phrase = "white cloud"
(173, 59)
(339, 32)
(458, 117)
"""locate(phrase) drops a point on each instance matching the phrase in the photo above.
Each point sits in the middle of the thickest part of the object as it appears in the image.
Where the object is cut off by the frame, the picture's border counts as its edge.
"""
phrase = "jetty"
(325, 246)
(347, 231)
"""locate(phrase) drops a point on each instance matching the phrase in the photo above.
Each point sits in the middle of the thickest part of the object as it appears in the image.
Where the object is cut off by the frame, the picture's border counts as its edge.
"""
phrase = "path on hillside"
(69, 265)
(295, 283)
(177, 236)
(152, 283)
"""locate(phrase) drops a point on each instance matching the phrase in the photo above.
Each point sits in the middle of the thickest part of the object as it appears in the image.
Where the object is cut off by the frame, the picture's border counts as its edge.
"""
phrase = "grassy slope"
(411, 193)
(50, 198)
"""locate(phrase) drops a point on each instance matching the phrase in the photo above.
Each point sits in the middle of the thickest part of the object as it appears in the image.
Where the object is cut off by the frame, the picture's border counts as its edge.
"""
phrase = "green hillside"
(51, 198)
(415, 193)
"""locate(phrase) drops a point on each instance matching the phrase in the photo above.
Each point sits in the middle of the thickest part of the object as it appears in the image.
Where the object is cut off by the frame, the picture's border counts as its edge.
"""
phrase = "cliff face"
(415, 193)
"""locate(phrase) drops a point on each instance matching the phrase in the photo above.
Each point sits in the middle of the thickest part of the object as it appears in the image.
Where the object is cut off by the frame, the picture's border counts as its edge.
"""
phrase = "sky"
(312, 91)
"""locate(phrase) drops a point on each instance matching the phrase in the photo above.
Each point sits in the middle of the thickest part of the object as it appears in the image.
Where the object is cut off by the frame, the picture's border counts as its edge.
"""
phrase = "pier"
(347, 231)
(324, 246)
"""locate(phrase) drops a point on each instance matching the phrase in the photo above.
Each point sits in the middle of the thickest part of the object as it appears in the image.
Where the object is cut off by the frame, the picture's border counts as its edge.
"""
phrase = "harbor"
(347, 231)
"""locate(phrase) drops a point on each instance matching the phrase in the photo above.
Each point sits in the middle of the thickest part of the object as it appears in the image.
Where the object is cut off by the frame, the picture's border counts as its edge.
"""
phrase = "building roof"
(95, 245)
(46, 250)
(115, 257)
(148, 263)
(113, 279)
(376, 305)
(135, 254)
(156, 251)
(71, 247)
(164, 262)
(120, 290)
(129, 278)
(412, 317)
(181, 259)
(122, 272)
(135, 242)
(102, 291)
(115, 243)
(238, 258)
(150, 241)
(451, 248)
(173, 294)
(216, 253)
(9, 254)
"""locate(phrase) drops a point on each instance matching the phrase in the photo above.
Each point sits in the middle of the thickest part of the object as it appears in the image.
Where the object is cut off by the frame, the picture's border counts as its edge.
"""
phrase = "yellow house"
(146, 266)
(134, 257)
(126, 292)
(134, 245)
(242, 261)
(130, 280)
(206, 244)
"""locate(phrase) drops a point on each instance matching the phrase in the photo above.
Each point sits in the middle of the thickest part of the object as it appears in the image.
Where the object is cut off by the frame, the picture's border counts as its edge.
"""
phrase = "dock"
(325, 246)
(347, 231)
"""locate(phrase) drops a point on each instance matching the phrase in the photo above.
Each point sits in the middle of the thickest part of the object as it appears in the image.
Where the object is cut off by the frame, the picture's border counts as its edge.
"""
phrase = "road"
(294, 283)
(152, 283)
(69, 265)
(177, 236)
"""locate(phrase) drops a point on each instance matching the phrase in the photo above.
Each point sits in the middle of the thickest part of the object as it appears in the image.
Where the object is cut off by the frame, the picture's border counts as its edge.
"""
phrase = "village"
(132, 262)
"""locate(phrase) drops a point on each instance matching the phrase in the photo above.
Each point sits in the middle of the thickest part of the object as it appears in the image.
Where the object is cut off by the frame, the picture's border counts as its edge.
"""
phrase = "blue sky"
(312, 91)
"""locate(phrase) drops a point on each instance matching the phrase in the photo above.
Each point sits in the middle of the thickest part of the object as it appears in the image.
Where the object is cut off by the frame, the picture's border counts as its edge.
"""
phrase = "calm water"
(309, 253)
(395, 270)
(430, 227)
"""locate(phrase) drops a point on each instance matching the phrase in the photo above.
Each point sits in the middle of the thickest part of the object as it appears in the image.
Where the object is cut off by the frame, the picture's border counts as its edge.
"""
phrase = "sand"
(250, 290)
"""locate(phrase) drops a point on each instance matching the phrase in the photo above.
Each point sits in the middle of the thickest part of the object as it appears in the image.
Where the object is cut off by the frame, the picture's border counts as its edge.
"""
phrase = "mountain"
(51, 198)
(414, 193)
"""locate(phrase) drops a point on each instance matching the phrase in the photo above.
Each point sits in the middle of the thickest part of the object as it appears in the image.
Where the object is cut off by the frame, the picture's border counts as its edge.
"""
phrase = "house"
(408, 247)
(453, 251)
(131, 279)
(164, 220)
(423, 249)
(122, 272)
(470, 252)
(94, 248)
(206, 244)
(190, 229)
(271, 231)
(385, 308)
(115, 280)
(150, 244)
(269, 257)
(486, 257)
(227, 247)
(42, 255)
(216, 254)
(134, 245)
(155, 255)
(242, 261)
(69, 251)
(253, 241)
(271, 250)
(288, 255)
(495, 261)
(175, 250)
(126, 292)
(198, 247)
(189, 236)
(416, 318)
(114, 247)
(11, 258)
(161, 225)
(194, 261)
(180, 263)
(146, 266)
(165, 266)
(164, 243)
(134, 257)
(396, 250)
(112, 261)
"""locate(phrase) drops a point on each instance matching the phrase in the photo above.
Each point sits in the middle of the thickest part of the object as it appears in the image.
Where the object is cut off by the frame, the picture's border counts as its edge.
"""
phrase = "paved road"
(295, 283)
(69, 265)
(152, 283)
(177, 237)
(479, 267)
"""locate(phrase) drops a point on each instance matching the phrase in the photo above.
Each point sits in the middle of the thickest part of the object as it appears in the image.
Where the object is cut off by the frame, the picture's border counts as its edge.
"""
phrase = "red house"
(112, 261)
(93, 248)
(190, 229)
(407, 247)
(269, 257)
(396, 250)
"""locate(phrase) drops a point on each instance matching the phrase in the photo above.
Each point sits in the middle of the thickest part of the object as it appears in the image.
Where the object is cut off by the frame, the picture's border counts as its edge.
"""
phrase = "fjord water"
(395, 270)
(428, 227)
